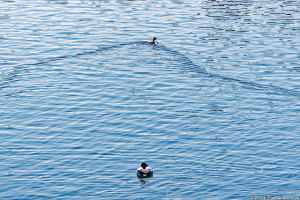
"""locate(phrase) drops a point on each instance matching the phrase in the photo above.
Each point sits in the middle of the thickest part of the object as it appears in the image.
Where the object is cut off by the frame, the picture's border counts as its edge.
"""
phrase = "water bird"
(144, 171)
(153, 41)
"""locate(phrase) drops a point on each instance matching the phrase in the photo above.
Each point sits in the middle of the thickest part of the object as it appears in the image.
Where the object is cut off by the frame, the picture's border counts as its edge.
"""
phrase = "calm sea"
(213, 108)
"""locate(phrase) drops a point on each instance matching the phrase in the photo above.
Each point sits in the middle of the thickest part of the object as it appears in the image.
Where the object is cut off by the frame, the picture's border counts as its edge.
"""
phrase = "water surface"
(78, 127)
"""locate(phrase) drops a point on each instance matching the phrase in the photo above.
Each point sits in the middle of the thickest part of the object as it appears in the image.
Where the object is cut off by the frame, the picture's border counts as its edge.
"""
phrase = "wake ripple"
(189, 65)
(179, 57)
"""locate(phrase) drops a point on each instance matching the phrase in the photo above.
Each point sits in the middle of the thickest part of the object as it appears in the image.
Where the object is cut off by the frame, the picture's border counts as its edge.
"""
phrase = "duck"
(144, 171)
(153, 41)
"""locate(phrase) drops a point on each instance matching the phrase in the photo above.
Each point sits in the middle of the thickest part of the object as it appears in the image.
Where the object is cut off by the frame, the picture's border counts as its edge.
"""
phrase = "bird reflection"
(144, 181)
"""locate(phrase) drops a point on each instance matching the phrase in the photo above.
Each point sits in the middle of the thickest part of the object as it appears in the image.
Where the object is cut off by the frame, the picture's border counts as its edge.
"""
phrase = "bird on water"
(144, 171)
(153, 41)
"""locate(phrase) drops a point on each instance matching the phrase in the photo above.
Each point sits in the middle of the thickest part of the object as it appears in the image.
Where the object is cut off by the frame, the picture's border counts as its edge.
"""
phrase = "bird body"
(144, 171)
(153, 41)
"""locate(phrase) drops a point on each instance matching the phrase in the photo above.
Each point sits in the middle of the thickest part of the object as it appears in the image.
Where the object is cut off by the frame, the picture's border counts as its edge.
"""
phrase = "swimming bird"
(144, 171)
(153, 41)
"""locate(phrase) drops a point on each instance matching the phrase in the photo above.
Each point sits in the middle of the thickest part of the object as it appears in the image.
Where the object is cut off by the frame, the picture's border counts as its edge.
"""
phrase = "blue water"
(213, 108)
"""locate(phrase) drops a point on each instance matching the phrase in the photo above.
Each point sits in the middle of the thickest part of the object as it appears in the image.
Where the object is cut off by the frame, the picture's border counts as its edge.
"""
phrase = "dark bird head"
(144, 165)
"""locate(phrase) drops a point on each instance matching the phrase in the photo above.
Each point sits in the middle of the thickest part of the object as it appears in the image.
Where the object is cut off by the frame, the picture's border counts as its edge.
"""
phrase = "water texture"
(213, 108)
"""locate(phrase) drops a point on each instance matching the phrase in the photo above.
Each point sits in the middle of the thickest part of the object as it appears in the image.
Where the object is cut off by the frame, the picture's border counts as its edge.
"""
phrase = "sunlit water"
(213, 108)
